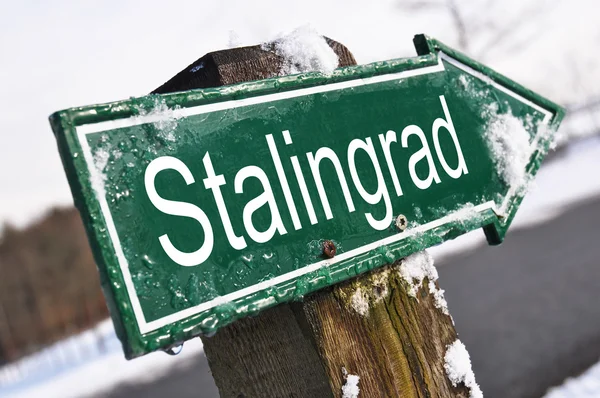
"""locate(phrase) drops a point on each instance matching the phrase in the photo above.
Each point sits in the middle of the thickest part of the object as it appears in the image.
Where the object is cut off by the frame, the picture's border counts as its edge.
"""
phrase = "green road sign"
(209, 205)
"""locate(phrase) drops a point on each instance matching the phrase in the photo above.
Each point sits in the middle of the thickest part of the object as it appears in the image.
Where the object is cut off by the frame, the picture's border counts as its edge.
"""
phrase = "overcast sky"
(60, 54)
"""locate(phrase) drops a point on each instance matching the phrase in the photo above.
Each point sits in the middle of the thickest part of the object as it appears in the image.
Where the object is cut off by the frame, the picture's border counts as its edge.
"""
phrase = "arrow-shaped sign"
(208, 205)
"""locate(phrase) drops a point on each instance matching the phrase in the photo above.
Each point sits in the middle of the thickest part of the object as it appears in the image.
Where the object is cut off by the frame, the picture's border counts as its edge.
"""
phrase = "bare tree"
(484, 27)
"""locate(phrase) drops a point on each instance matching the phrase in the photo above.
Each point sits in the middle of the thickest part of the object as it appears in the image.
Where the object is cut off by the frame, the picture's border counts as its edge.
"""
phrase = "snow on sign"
(209, 205)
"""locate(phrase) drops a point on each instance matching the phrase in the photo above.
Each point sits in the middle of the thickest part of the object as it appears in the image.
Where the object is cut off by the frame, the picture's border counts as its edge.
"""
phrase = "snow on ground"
(86, 364)
(586, 385)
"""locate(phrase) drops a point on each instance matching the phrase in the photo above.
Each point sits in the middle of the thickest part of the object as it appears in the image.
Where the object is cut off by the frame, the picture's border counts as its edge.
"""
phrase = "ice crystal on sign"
(508, 140)
(350, 389)
(163, 118)
(304, 50)
(466, 215)
(465, 212)
(473, 88)
(97, 176)
(457, 364)
(414, 269)
(101, 159)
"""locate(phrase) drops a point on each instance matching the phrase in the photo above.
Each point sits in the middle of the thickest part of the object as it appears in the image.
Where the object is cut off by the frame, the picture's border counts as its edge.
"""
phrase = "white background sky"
(60, 54)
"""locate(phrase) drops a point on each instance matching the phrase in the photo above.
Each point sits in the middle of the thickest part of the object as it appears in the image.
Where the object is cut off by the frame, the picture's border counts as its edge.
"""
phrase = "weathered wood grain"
(397, 348)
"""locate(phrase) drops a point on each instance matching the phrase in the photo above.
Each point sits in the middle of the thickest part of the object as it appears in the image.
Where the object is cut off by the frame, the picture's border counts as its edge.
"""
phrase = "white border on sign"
(146, 327)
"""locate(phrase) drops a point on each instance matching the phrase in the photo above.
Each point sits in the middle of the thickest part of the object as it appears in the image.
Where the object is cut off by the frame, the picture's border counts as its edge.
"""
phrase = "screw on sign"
(228, 189)
(401, 222)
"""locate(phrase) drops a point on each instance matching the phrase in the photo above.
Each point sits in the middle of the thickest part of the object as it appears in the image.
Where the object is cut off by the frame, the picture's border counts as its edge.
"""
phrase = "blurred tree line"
(49, 285)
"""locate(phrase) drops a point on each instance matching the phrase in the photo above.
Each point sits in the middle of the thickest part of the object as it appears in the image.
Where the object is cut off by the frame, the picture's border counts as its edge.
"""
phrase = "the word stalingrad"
(215, 181)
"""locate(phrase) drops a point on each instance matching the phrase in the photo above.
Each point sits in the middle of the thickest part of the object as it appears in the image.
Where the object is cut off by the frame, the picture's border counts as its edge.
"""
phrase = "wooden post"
(394, 342)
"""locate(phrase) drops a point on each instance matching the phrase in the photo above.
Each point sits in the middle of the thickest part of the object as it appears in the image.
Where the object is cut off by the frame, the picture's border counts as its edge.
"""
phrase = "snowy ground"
(586, 385)
(79, 366)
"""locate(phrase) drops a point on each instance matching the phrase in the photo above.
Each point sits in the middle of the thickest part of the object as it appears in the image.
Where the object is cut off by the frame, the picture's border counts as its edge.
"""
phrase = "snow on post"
(373, 290)
(414, 269)
(360, 302)
(304, 50)
(458, 368)
(350, 389)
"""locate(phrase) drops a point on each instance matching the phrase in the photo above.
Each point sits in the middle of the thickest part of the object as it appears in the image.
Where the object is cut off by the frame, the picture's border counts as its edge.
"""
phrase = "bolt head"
(329, 249)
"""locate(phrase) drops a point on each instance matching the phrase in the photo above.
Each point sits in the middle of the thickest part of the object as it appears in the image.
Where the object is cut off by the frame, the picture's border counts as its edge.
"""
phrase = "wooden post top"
(236, 65)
